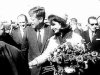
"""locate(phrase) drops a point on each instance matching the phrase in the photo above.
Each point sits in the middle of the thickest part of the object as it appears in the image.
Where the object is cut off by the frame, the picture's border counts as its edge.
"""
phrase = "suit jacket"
(34, 49)
(93, 69)
(16, 35)
(12, 61)
(95, 43)
(20, 42)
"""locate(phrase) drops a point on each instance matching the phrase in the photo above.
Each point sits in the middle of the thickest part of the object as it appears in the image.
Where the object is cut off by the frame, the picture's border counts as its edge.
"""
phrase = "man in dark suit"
(12, 61)
(92, 41)
(37, 36)
(19, 34)
(92, 35)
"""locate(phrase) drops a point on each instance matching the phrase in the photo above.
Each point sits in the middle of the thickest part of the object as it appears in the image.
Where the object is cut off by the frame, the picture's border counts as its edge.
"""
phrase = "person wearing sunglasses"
(92, 34)
(92, 41)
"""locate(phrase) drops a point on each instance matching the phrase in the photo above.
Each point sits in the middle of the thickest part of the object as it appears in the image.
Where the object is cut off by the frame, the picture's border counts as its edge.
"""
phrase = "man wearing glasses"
(92, 35)
(92, 41)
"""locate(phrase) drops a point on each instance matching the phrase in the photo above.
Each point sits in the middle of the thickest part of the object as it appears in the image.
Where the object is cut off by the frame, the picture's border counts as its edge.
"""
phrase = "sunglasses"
(94, 24)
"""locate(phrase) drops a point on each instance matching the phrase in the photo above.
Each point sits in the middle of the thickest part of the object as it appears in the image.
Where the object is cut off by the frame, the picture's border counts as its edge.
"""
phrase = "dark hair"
(58, 19)
(74, 19)
(92, 17)
(64, 27)
(39, 11)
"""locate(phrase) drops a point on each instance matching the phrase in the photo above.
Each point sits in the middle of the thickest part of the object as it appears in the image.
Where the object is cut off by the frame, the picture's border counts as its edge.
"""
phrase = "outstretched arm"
(45, 55)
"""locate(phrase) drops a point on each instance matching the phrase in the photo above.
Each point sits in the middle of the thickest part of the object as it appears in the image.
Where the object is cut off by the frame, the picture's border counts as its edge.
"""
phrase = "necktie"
(39, 41)
(39, 37)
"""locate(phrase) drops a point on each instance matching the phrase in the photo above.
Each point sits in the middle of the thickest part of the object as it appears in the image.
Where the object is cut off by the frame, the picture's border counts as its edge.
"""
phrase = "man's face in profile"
(35, 21)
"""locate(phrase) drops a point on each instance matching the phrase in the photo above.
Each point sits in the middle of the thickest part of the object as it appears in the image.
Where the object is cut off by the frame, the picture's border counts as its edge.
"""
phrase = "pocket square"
(98, 39)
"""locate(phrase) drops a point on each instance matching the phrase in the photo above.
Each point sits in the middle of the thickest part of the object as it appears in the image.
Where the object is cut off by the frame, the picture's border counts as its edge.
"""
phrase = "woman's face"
(56, 26)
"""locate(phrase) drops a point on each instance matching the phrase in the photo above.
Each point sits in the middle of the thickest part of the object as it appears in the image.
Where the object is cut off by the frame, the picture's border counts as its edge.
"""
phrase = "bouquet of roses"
(73, 58)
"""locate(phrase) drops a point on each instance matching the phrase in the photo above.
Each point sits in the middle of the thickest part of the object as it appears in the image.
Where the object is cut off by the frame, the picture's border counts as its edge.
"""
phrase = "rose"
(79, 58)
(94, 53)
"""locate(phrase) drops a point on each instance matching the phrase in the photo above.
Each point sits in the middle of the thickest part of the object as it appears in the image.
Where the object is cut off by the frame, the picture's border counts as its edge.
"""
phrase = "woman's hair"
(58, 19)
(64, 27)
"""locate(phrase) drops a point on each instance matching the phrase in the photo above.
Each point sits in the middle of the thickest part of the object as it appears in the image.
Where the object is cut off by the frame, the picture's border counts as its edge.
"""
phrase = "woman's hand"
(32, 63)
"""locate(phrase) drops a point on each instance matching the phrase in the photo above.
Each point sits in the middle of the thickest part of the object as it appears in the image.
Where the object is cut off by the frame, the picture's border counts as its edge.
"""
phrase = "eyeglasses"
(94, 24)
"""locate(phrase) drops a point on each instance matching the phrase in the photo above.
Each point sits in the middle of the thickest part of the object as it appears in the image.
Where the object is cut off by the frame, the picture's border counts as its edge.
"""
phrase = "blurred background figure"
(22, 21)
(12, 61)
(1, 28)
(5, 36)
(75, 27)
(66, 18)
(79, 26)
(98, 20)
(73, 23)
(6, 25)
(19, 34)
(92, 41)
(13, 25)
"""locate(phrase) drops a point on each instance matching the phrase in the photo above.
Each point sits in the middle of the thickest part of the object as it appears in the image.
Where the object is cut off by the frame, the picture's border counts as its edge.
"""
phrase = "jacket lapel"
(34, 36)
(87, 37)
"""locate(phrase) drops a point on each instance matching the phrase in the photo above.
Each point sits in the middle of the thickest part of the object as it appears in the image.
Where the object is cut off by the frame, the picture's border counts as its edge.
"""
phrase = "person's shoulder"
(98, 30)
(2, 44)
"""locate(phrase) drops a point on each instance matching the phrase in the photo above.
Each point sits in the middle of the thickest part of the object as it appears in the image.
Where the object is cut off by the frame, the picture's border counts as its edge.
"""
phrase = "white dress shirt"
(91, 34)
(22, 32)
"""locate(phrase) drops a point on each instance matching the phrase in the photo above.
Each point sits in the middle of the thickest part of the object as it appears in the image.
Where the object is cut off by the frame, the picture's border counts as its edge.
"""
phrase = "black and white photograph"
(49, 37)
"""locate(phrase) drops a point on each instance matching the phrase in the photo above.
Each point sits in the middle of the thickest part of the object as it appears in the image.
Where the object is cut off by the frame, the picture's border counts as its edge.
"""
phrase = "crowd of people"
(26, 47)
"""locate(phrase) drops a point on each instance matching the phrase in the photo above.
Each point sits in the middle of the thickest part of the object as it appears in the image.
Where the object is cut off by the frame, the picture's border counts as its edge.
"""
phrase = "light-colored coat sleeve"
(52, 45)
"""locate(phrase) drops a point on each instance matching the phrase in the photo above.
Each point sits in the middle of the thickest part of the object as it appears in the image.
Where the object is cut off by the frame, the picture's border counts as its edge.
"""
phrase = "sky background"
(80, 9)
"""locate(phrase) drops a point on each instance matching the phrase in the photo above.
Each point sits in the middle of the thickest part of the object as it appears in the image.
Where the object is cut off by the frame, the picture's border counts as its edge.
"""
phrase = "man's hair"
(39, 11)
(24, 16)
(92, 17)
(74, 19)
(58, 19)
